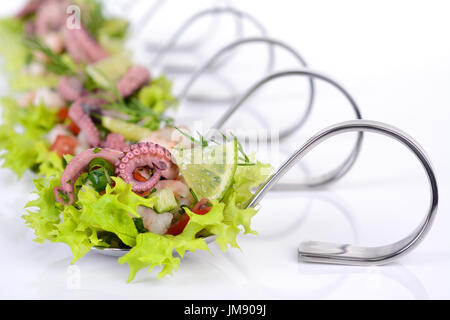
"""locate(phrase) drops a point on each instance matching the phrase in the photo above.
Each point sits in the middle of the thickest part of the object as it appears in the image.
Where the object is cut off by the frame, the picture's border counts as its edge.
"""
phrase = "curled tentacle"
(133, 80)
(70, 88)
(30, 7)
(115, 141)
(149, 155)
(78, 112)
(82, 47)
(77, 166)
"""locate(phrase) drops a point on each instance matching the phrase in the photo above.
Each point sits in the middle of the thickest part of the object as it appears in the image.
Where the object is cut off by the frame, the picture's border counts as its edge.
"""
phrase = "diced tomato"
(74, 128)
(63, 114)
(138, 175)
(202, 207)
(179, 226)
(63, 117)
(64, 145)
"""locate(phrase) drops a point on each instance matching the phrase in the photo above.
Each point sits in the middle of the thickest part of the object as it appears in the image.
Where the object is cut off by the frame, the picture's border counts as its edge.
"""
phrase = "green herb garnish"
(56, 64)
(193, 195)
(139, 223)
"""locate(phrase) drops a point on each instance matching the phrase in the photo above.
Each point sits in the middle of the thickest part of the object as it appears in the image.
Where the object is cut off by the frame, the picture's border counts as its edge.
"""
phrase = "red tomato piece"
(62, 114)
(139, 175)
(63, 117)
(74, 128)
(202, 207)
(179, 226)
(64, 145)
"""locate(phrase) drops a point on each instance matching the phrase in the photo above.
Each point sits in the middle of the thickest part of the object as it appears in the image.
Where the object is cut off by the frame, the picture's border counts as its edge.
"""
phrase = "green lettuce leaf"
(17, 56)
(82, 224)
(15, 53)
(22, 138)
(223, 221)
(153, 250)
(248, 178)
(79, 236)
(157, 96)
(44, 221)
(114, 28)
(111, 35)
(117, 206)
(91, 15)
(78, 225)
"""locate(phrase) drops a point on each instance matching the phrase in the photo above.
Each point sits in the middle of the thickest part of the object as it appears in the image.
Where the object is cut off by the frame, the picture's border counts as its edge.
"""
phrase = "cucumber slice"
(108, 71)
(166, 200)
(130, 131)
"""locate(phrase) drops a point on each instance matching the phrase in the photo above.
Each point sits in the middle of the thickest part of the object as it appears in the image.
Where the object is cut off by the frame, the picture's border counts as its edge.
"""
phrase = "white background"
(394, 58)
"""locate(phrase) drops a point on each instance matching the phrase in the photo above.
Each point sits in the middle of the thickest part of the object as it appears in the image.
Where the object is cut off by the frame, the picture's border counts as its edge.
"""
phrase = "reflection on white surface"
(267, 267)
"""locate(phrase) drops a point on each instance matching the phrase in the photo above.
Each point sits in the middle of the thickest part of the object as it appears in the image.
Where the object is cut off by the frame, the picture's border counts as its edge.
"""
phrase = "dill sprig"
(56, 64)
(203, 142)
(137, 112)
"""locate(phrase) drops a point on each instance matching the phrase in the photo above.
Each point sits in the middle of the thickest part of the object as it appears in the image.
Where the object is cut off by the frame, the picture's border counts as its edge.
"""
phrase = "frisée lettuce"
(22, 139)
(108, 220)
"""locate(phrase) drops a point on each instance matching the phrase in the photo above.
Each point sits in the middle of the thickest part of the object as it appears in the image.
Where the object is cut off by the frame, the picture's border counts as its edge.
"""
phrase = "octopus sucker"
(148, 155)
(77, 166)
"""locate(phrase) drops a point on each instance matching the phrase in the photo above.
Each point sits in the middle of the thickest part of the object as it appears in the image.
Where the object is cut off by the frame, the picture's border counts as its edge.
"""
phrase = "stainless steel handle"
(240, 15)
(309, 182)
(238, 43)
(321, 252)
(146, 17)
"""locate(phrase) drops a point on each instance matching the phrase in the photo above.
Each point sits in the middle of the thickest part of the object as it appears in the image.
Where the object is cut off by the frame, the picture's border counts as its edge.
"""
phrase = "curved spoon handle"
(238, 43)
(321, 252)
(342, 169)
(149, 13)
(240, 15)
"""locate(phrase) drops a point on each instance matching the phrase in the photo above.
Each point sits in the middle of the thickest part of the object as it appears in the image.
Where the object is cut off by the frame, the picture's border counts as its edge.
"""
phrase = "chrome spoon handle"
(240, 15)
(251, 40)
(321, 252)
(343, 168)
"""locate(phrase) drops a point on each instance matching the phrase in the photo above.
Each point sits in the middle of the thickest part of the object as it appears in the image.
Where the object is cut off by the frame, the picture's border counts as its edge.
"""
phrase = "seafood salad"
(156, 202)
(113, 171)
(72, 87)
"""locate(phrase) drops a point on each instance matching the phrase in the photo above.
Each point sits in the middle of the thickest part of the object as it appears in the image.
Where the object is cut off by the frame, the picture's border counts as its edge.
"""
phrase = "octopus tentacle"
(77, 166)
(83, 120)
(115, 141)
(146, 154)
(134, 79)
(50, 16)
(30, 7)
(82, 47)
(70, 88)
